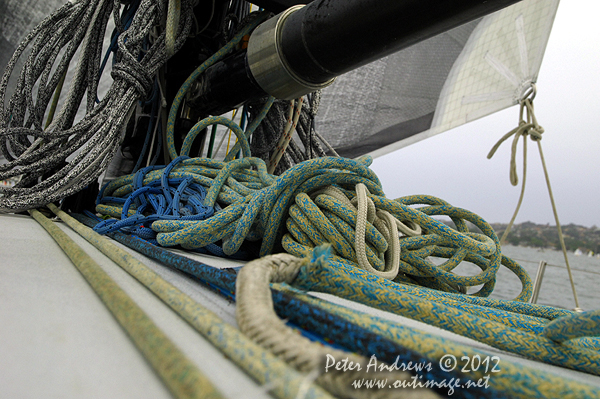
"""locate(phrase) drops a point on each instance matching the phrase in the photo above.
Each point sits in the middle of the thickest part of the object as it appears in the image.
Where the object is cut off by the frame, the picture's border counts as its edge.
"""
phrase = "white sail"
(464, 74)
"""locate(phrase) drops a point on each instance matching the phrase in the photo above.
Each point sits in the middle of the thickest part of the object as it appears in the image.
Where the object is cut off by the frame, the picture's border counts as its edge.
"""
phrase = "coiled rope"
(46, 176)
(362, 228)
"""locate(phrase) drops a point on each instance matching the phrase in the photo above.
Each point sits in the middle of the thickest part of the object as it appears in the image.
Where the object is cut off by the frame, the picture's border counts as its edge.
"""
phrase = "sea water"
(555, 288)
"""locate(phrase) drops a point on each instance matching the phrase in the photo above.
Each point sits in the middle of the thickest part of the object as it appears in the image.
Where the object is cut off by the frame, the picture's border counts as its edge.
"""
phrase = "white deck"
(58, 340)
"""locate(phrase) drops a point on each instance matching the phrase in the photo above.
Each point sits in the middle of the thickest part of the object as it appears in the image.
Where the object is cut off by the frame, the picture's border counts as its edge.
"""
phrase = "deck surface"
(58, 340)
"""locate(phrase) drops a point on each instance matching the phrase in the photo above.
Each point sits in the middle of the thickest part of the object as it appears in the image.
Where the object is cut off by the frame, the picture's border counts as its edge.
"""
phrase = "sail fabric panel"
(389, 93)
(461, 75)
(17, 19)
(498, 65)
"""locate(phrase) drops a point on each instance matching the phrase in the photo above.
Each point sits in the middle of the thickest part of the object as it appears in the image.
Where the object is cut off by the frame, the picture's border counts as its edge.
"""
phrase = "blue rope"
(165, 198)
(377, 337)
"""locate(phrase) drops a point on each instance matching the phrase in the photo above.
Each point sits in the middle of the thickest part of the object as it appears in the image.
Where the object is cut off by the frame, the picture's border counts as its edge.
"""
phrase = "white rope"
(386, 224)
(529, 125)
(257, 319)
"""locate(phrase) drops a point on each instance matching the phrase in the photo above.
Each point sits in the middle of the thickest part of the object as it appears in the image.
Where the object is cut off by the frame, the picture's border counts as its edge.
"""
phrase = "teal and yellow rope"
(513, 380)
(355, 284)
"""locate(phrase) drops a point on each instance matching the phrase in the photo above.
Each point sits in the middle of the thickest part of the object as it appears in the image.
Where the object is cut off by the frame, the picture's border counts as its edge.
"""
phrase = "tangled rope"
(40, 156)
(324, 200)
(272, 141)
(366, 238)
(164, 198)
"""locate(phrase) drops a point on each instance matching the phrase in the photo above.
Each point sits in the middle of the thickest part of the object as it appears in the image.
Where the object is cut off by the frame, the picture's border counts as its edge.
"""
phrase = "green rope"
(258, 363)
(187, 85)
(179, 374)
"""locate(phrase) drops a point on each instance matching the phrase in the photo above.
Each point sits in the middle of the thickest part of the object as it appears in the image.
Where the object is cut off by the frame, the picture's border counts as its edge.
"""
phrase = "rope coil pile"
(40, 155)
(301, 209)
(383, 248)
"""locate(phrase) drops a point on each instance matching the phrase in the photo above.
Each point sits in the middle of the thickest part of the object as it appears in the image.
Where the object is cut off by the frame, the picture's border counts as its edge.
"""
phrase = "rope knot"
(535, 133)
(528, 126)
(135, 76)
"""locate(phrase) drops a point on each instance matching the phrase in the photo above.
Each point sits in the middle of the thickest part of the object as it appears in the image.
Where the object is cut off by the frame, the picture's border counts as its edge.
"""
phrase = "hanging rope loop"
(528, 126)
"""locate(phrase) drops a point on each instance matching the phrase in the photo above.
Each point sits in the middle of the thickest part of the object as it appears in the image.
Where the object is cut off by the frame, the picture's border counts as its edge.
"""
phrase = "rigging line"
(211, 143)
(324, 141)
(229, 131)
(94, 139)
(531, 127)
(558, 227)
(55, 99)
(173, 14)
(178, 373)
(516, 379)
(187, 85)
(521, 195)
(258, 363)
(157, 123)
(357, 285)
(284, 141)
(212, 14)
(560, 266)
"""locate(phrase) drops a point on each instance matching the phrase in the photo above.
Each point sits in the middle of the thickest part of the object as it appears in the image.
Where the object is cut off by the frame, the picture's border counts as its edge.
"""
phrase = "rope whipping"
(40, 156)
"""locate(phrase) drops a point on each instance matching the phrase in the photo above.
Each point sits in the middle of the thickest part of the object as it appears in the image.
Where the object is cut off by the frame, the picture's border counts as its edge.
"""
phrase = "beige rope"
(292, 121)
(173, 14)
(529, 126)
(283, 381)
(385, 223)
(256, 318)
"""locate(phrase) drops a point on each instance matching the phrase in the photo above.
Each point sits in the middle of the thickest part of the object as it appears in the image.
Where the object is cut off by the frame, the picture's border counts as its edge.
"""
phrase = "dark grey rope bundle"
(268, 133)
(40, 156)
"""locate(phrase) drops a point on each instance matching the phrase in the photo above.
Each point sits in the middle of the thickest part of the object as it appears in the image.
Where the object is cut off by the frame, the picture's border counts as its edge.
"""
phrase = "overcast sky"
(454, 167)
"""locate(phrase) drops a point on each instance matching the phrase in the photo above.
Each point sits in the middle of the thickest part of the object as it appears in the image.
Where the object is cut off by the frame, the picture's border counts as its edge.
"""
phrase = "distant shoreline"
(528, 234)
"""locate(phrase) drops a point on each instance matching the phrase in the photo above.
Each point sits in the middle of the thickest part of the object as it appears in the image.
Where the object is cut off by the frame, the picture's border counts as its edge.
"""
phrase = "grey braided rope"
(40, 156)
